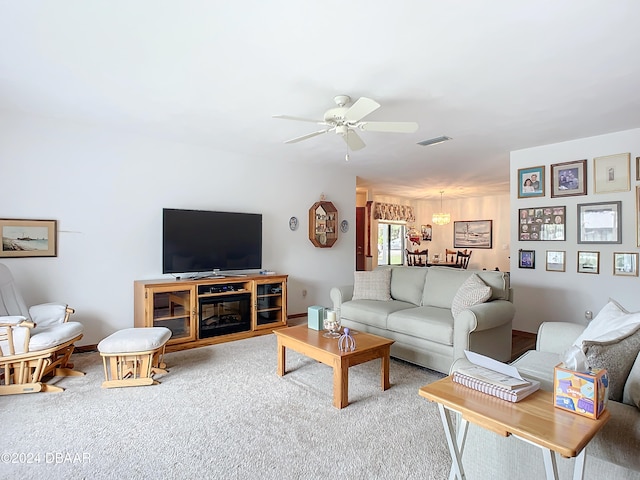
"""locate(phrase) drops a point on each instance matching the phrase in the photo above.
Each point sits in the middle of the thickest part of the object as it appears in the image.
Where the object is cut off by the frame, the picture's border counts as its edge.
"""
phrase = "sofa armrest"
(485, 316)
(556, 337)
(339, 295)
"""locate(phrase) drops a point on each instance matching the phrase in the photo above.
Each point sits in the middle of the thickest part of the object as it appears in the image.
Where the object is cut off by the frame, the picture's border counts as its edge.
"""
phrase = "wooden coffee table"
(533, 419)
(325, 350)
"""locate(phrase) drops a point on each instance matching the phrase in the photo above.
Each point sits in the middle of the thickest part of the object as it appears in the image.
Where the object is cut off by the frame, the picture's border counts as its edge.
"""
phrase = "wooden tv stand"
(207, 311)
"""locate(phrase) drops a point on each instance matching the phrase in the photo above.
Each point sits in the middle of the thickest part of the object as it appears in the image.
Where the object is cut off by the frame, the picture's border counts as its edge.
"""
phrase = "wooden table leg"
(385, 369)
(340, 385)
(282, 359)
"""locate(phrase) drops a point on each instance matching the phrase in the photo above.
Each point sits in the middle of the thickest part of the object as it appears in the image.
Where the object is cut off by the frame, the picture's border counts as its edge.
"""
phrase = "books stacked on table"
(495, 378)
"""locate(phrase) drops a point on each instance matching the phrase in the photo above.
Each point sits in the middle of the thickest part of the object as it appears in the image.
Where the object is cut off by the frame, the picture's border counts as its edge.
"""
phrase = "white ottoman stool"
(133, 356)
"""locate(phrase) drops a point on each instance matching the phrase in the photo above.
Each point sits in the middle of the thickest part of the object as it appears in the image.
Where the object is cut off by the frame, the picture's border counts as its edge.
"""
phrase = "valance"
(391, 211)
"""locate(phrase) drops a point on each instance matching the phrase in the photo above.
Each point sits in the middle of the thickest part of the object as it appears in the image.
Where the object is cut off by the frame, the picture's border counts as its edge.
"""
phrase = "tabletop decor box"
(315, 317)
(584, 393)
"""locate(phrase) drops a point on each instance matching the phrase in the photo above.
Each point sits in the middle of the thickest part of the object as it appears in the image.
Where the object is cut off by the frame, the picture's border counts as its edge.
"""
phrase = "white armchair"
(35, 342)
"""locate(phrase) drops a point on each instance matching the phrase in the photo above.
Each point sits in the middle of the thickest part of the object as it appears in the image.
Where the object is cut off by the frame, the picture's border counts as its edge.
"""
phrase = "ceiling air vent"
(434, 141)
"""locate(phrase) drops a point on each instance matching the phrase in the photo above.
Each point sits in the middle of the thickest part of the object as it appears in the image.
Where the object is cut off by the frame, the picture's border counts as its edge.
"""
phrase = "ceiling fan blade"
(308, 135)
(354, 142)
(363, 107)
(397, 127)
(299, 119)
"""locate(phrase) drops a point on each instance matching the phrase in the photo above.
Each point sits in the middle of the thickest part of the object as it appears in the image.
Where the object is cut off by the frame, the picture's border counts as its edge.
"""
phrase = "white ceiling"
(496, 75)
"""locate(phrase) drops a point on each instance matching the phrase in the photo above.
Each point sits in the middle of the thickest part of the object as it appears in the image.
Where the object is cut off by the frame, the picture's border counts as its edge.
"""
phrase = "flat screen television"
(195, 241)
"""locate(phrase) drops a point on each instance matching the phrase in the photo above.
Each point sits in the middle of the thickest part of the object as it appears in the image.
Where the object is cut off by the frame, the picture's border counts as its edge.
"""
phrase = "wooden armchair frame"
(24, 372)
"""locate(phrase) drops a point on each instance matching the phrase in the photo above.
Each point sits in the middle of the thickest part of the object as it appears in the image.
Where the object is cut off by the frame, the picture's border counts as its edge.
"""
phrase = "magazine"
(492, 371)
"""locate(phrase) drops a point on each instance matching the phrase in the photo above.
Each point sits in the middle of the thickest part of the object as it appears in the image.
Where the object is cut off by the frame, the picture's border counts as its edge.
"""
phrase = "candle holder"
(331, 323)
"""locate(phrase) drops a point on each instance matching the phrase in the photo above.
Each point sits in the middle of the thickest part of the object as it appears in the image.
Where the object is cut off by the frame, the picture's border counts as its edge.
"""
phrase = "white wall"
(564, 296)
(107, 189)
(495, 208)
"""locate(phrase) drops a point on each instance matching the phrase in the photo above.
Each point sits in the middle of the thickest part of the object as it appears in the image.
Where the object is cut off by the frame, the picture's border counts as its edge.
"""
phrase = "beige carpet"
(222, 413)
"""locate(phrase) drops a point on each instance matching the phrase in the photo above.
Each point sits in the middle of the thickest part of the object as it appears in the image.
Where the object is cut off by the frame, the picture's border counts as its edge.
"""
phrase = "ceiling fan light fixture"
(441, 218)
(434, 141)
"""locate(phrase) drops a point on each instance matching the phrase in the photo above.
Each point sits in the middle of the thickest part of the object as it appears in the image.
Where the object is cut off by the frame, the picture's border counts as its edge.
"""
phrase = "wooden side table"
(534, 420)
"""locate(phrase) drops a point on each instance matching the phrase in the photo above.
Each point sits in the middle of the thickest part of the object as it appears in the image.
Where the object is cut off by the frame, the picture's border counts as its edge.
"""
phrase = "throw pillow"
(472, 292)
(373, 285)
(617, 356)
(612, 322)
(631, 392)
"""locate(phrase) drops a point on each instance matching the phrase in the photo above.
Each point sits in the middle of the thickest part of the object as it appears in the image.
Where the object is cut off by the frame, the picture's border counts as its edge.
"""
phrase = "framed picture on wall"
(542, 223)
(473, 234)
(638, 215)
(426, 233)
(600, 222)
(28, 238)
(527, 259)
(556, 261)
(611, 173)
(588, 262)
(531, 182)
(569, 179)
(625, 264)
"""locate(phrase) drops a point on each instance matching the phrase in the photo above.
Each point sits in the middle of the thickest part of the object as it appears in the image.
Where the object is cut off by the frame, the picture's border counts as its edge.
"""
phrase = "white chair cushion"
(135, 340)
(48, 314)
(48, 337)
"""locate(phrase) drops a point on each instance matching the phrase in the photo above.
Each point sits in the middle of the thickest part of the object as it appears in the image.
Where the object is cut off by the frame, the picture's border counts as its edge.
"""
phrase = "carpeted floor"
(222, 413)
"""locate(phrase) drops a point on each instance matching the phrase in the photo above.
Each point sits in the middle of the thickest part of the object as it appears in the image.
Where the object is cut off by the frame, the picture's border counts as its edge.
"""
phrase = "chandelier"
(441, 218)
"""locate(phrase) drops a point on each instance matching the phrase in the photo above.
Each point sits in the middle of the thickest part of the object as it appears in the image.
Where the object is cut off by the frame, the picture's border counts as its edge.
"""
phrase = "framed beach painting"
(28, 238)
(531, 182)
(473, 234)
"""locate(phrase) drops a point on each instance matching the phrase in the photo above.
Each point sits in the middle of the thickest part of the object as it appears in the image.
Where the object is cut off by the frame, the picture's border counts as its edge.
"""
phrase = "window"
(391, 244)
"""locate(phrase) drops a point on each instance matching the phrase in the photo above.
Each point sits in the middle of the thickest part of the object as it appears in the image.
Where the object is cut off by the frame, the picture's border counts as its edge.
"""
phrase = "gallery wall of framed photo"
(553, 196)
(575, 238)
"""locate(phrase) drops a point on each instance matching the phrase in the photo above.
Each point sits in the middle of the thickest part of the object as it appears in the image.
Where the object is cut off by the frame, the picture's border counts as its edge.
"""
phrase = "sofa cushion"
(617, 356)
(612, 322)
(631, 392)
(472, 292)
(407, 284)
(372, 285)
(442, 283)
(371, 312)
(431, 323)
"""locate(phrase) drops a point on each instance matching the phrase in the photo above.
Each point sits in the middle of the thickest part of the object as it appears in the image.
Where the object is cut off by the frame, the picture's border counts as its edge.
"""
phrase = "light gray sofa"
(418, 316)
(613, 453)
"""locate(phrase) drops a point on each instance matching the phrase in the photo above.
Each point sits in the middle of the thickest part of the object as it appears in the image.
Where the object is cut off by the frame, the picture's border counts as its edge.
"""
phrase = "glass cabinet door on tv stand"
(271, 297)
(175, 309)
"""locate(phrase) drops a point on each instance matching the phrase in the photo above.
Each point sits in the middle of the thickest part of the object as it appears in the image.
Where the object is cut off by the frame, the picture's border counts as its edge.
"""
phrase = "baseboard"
(86, 348)
(94, 348)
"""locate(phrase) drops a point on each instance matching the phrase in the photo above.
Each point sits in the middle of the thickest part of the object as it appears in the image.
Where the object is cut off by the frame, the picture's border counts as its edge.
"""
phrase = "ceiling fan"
(345, 120)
